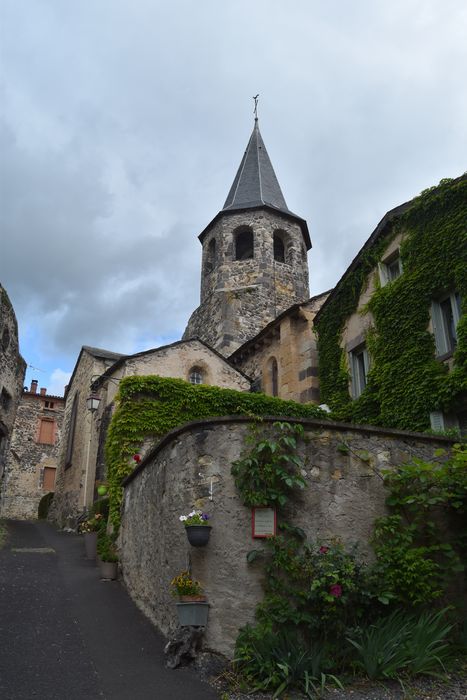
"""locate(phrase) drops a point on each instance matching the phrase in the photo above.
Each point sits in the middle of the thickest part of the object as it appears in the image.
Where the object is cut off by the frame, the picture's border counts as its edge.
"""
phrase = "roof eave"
(286, 214)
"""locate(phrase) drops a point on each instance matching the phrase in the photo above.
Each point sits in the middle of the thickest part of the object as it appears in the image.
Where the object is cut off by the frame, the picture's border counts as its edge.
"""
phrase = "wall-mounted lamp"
(92, 402)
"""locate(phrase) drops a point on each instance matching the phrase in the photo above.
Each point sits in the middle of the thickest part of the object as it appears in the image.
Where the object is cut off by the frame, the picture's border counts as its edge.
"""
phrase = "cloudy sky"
(123, 122)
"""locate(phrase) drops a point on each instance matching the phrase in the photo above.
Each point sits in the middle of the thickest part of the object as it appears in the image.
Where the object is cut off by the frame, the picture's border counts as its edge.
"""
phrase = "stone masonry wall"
(291, 341)
(344, 496)
(12, 369)
(29, 457)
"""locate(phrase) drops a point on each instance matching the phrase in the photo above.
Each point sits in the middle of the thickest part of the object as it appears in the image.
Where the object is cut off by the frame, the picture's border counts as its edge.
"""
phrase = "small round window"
(195, 376)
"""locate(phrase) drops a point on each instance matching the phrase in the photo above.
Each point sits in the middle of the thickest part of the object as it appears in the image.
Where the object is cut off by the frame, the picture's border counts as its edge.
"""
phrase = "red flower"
(137, 458)
(336, 590)
(323, 549)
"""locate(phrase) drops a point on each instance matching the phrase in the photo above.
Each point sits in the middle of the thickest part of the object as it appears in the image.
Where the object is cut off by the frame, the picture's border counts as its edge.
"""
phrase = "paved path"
(67, 635)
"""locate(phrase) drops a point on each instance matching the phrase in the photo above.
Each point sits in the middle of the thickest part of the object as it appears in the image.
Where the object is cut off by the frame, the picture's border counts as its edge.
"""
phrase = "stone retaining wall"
(344, 496)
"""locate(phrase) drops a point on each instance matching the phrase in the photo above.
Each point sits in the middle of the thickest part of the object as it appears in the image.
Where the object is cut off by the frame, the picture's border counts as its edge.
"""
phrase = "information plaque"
(263, 522)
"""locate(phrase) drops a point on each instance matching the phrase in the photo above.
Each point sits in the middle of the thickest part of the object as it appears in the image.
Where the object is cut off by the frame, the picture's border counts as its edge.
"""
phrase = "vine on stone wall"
(150, 406)
(405, 381)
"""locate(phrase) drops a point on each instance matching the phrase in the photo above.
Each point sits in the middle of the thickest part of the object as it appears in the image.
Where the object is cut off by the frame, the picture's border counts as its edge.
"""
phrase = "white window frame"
(440, 422)
(358, 383)
(441, 331)
(384, 268)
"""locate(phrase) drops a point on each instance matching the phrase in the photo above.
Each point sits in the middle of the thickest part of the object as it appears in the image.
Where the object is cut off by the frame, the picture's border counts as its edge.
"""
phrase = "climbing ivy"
(405, 381)
(150, 406)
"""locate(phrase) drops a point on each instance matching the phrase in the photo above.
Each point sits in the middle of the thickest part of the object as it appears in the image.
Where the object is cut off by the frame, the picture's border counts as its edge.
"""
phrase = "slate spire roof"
(255, 183)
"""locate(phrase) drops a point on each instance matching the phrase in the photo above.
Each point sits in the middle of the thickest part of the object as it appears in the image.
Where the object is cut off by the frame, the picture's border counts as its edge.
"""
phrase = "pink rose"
(336, 590)
(323, 549)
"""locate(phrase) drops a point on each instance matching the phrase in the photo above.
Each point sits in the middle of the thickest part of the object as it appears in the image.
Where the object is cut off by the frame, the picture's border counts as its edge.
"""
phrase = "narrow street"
(66, 634)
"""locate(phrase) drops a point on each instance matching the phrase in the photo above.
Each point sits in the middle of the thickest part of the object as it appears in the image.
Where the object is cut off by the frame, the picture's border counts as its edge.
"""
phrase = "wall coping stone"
(306, 422)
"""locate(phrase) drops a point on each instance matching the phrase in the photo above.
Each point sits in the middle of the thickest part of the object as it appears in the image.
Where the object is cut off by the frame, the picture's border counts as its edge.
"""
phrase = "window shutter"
(383, 274)
(437, 420)
(366, 362)
(456, 307)
(438, 329)
(353, 375)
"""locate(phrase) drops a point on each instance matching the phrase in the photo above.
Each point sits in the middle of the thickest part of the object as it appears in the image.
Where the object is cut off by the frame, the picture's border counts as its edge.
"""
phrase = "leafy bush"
(417, 645)
(44, 505)
(280, 662)
(320, 587)
(404, 572)
(106, 547)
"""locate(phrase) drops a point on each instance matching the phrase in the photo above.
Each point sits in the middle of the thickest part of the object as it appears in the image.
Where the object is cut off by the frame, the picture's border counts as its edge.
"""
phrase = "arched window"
(244, 245)
(279, 247)
(195, 375)
(211, 256)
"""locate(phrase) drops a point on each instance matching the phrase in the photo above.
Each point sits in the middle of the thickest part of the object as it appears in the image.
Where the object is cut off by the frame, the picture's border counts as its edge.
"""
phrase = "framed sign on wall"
(263, 522)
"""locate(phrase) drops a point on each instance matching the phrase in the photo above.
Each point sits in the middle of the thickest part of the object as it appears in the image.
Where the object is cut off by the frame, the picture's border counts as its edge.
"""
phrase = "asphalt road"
(67, 635)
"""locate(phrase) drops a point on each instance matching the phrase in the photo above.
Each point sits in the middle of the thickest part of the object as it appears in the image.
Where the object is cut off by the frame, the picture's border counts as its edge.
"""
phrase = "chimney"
(34, 384)
(43, 391)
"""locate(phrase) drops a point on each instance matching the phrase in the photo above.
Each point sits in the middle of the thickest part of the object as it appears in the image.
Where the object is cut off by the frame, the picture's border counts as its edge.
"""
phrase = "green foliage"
(271, 469)
(405, 381)
(44, 505)
(414, 644)
(281, 661)
(405, 573)
(106, 547)
(151, 406)
(422, 545)
(320, 588)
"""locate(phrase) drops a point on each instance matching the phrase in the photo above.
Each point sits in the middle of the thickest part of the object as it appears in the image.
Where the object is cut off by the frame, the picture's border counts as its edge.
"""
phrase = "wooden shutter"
(47, 432)
(48, 483)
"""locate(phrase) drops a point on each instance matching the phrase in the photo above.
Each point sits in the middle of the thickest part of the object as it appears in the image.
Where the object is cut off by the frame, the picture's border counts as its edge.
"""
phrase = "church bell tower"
(254, 263)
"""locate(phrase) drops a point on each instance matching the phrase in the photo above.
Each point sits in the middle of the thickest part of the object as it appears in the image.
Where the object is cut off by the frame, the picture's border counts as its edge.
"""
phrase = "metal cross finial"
(255, 111)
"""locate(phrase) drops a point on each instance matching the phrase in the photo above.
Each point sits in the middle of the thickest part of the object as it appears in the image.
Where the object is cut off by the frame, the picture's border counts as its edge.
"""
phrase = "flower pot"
(192, 614)
(108, 569)
(90, 544)
(198, 535)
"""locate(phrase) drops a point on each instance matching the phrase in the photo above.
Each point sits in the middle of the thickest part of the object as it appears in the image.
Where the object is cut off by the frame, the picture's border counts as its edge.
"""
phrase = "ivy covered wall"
(149, 407)
(405, 381)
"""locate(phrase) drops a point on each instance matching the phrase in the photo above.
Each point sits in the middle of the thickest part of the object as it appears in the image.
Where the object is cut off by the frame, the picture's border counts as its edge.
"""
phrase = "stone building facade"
(32, 459)
(282, 359)
(12, 370)
(254, 261)
(98, 372)
(419, 267)
(345, 494)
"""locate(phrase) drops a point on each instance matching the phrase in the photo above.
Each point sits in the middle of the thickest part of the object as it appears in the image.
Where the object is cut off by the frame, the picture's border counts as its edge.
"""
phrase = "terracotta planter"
(108, 569)
(198, 535)
(90, 544)
(194, 614)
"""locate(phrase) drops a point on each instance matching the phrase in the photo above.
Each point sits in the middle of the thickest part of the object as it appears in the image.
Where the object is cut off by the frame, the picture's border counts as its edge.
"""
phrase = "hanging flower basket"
(198, 535)
(197, 528)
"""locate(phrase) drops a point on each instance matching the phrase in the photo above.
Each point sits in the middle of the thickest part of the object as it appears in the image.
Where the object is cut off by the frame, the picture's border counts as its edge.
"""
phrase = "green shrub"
(106, 548)
(400, 643)
(281, 661)
(44, 505)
